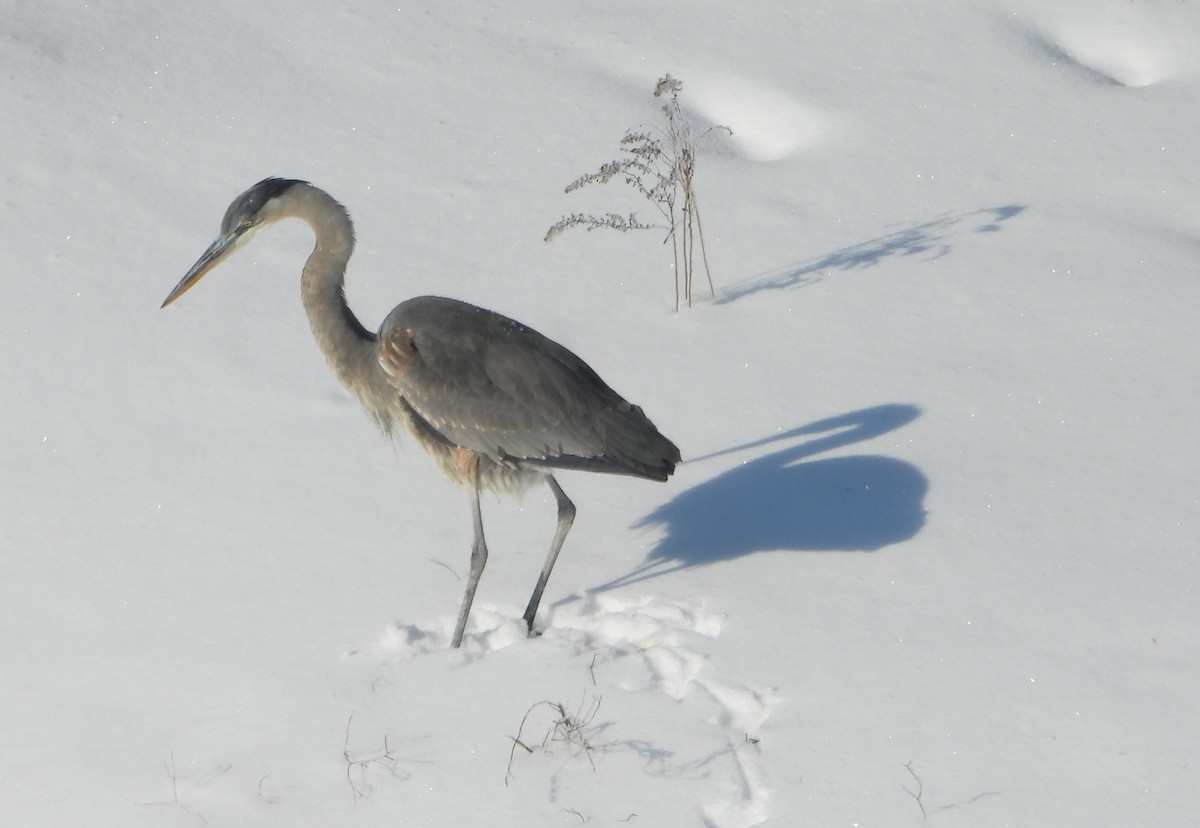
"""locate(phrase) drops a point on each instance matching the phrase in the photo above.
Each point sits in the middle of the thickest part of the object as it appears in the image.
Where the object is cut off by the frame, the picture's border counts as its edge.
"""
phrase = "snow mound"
(1119, 46)
(767, 124)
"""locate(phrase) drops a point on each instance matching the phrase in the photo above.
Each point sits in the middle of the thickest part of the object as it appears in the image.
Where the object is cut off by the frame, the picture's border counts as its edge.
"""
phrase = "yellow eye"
(247, 224)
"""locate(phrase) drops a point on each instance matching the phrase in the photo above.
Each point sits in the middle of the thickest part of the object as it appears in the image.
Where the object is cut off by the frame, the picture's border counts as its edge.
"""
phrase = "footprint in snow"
(639, 644)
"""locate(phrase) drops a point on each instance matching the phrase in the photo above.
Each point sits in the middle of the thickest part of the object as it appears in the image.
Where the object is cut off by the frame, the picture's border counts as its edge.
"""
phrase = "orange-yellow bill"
(211, 258)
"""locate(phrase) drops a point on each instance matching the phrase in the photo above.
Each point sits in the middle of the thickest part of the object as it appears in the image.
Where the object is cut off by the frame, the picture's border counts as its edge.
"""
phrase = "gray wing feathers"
(488, 383)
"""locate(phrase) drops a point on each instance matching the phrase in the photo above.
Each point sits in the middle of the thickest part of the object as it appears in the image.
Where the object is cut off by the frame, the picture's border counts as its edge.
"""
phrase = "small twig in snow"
(920, 788)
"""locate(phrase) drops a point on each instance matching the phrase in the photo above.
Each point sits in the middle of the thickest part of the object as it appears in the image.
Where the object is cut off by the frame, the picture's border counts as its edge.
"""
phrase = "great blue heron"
(498, 405)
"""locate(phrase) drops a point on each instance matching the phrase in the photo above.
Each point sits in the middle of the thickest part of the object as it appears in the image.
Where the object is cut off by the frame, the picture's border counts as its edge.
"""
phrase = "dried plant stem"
(659, 162)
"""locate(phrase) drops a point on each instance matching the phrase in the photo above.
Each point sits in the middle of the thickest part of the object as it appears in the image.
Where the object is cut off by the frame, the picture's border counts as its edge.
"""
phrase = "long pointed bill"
(219, 249)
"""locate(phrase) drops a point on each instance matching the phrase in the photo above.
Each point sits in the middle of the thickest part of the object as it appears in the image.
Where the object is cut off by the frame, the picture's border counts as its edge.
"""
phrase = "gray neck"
(349, 348)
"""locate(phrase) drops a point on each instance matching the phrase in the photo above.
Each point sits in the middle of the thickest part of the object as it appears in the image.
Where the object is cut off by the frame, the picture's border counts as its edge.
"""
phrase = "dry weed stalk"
(566, 728)
(659, 162)
(363, 761)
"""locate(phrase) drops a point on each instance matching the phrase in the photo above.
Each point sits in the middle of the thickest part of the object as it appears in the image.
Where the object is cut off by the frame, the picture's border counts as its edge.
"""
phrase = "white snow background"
(932, 556)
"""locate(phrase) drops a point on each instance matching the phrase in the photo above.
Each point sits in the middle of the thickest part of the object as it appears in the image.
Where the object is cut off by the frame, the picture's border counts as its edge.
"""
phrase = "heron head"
(249, 213)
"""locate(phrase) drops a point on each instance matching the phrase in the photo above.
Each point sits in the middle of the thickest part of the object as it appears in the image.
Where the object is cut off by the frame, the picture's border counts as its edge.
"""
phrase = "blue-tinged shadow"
(928, 239)
(786, 501)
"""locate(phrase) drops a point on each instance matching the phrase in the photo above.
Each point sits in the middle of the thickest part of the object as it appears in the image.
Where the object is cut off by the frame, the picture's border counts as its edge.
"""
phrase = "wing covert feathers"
(488, 383)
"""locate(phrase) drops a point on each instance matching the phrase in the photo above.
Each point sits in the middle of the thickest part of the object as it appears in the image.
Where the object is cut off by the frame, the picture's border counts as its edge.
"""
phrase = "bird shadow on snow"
(792, 500)
(930, 239)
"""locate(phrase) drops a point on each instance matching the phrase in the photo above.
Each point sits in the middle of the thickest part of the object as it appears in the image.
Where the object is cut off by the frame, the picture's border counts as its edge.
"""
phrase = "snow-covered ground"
(933, 555)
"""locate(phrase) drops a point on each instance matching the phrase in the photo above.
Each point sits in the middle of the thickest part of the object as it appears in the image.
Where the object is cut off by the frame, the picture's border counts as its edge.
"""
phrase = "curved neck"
(349, 348)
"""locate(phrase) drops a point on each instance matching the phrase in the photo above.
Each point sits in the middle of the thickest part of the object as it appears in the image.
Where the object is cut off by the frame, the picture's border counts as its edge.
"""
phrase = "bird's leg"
(479, 556)
(566, 515)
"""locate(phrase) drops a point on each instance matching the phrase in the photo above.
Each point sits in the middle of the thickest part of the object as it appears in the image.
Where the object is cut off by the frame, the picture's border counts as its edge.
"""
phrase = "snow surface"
(933, 557)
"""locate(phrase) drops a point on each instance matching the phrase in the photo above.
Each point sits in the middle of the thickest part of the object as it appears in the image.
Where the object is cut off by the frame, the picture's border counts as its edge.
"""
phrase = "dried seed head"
(667, 84)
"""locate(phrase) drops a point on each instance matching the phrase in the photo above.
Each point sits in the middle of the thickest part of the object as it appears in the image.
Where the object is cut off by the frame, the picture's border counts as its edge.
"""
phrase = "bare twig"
(173, 775)
(170, 769)
(516, 740)
(382, 758)
(920, 788)
(566, 728)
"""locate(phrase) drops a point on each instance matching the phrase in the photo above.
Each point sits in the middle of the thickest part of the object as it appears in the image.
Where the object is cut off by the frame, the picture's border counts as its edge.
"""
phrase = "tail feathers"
(636, 447)
(631, 445)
